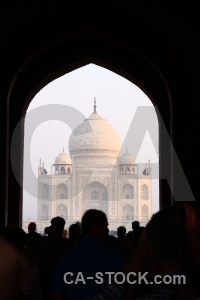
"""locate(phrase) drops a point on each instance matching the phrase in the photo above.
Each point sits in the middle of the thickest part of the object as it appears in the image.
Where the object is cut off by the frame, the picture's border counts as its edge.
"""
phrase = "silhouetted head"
(46, 230)
(57, 226)
(162, 235)
(121, 232)
(94, 223)
(135, 224)
(78, 223)
(15, 236)
(32, 227)
(74, 231)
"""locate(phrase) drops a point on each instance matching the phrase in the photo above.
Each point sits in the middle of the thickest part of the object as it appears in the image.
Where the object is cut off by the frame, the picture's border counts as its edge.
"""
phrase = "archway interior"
(117, 100)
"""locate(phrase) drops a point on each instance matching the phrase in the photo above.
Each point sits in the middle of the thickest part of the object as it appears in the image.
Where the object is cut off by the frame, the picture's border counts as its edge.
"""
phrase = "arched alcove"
(62, 191)
(145, 212)
(128, 212)
(125, 112)
(44, 212)
(62, 211)
(128, 192)
(144, 192)
(45, 191)
(95, 195)
(95, 191)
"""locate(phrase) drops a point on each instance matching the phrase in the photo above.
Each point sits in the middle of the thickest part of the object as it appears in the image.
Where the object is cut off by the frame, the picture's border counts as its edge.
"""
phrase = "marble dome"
(63, 159)
(94, 135)
(126, 159)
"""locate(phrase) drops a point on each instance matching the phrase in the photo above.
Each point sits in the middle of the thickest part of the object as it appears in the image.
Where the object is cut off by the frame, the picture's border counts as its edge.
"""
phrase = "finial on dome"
(95, 106)
(63, 149)
(126, 150)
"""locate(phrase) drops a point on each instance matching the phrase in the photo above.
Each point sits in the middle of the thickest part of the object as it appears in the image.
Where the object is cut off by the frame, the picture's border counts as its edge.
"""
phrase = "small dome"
(63, 159)
(126, 159)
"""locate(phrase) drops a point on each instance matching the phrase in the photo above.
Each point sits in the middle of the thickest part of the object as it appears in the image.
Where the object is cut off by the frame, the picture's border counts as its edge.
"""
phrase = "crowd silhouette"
(80, 262)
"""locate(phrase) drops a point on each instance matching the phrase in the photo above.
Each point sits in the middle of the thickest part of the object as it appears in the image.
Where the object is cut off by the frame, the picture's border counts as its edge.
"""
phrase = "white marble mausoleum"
(95, 174)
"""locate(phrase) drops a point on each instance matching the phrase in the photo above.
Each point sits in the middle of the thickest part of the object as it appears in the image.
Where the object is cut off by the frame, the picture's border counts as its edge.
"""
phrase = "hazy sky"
(117, 100)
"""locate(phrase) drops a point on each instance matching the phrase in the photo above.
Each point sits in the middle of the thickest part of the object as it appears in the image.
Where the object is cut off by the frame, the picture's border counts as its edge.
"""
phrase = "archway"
(95, 195)
(128, 192)
(62, 191)
(128, 212)
(145, 212)
(44, 213)
(62, 211)
(45, 191)
(144, 192)
(39, 60)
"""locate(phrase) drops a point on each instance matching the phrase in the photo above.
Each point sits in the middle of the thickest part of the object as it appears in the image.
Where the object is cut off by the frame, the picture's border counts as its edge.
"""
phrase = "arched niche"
(127, 212)
(62, 191)
(128, 191)
(95, 191)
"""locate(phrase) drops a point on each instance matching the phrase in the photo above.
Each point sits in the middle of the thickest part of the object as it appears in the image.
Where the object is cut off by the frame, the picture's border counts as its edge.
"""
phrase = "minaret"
(148, 170)
(41, 169)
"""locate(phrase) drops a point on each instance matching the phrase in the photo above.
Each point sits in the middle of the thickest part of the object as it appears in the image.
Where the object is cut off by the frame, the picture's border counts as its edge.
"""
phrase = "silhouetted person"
(11, 271)
(121, 232)
(29, 286)
(78, 223)
(137, 234)
(45, 231)
(158, 252)
(52, 247)
(111, 241)
(74, 232)
(15, 236)
(33, 239)
(124, 245)
(190, 243)
(88, 257)
(134, 224)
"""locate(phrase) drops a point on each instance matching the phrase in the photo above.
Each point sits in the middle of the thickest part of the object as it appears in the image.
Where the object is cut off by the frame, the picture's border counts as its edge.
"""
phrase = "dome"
(126, 159)
(63, 159)
(95, 135)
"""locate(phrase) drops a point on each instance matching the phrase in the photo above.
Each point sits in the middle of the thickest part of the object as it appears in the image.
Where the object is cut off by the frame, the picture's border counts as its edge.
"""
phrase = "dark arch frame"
(133, 49)
(51, 73)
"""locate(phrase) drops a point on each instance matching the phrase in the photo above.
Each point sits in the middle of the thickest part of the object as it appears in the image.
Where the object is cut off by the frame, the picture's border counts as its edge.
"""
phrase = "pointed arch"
(128, 191)
(62, 170)
(44, 212)
(62, 211)
(128, 212)
(145, 212)
(45, 191)
(95, 191)
(144, 192)
(62, 191)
